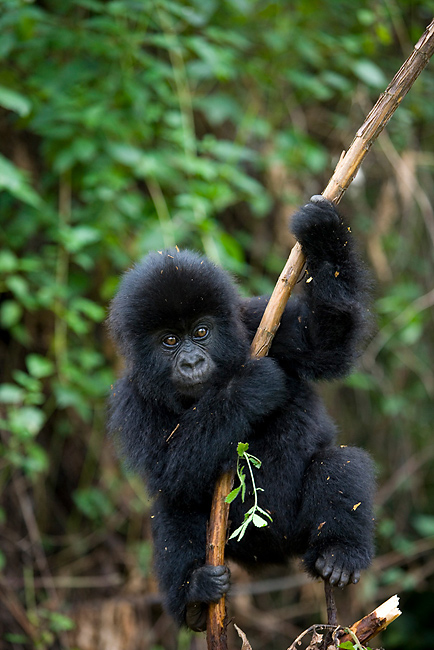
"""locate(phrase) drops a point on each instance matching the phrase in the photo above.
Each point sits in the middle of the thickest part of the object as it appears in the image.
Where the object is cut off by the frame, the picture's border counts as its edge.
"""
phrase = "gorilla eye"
(170, 341)
(201, 332)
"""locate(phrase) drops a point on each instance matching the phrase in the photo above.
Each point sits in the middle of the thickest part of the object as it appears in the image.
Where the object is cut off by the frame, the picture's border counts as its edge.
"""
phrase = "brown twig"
(344, 173)
(332, 616)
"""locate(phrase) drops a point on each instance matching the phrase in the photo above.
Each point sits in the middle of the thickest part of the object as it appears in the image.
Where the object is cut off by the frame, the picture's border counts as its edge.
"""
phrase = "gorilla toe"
(331, 566)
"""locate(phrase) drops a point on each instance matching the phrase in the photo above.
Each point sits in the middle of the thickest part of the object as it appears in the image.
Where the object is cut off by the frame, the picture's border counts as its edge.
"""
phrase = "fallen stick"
(343, 175)
(374, 623)
(333, 635)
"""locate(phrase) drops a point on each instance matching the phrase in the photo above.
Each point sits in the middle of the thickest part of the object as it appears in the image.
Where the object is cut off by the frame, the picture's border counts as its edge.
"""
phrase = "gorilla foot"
(195, 616)
(207, 585)
(331, 565)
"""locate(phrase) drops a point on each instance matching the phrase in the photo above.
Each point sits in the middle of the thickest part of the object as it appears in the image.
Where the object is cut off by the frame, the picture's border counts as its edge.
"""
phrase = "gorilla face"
(189, 353)
(176, 319)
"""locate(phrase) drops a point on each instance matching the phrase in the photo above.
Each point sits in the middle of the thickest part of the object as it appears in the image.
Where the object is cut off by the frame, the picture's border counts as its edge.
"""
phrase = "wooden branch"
(332, 635)
(375, 622)
(216, 624)
(344, 173)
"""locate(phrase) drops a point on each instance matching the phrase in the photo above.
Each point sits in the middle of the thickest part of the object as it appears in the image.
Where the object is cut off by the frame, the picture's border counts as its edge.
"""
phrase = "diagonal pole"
(343, 175)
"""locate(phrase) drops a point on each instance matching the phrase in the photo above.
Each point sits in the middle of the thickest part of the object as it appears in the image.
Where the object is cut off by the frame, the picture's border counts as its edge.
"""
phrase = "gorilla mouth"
(191, 385)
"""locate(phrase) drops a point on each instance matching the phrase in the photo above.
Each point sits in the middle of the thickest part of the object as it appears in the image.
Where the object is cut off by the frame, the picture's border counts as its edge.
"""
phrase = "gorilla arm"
(182, 454)
(321, 330)
(205, 442)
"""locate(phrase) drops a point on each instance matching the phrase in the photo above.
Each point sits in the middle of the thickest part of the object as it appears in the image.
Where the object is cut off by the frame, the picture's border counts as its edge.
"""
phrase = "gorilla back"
(190, 392)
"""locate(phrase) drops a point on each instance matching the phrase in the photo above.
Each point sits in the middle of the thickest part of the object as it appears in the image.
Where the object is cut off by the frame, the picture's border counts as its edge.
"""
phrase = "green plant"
(251, 516)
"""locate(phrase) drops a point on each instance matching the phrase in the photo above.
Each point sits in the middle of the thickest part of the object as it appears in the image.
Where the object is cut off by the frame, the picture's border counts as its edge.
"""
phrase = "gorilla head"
(176, 318)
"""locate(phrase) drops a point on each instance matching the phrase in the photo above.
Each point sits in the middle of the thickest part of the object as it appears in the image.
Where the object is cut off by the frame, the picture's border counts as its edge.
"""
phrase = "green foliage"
(251, 516)
(46, 624)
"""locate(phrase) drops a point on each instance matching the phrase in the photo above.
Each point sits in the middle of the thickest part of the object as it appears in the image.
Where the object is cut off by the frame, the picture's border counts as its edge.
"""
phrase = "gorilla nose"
(192, 364)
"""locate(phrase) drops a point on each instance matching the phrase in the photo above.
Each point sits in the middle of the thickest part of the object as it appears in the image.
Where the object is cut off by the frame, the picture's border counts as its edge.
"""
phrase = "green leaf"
(27, 421)
(15, 181)
(39, 366)
(14, 101)
(31, 384)
(370, 74)
(240, 532)
(19, 639)
(362, 381)
(8, 261)
(235, 533)
(411, 333)
(93, 503)
(242, 447)
(11, 394)
(75, 239)
(19, 287)
(60, 622)
(89, 308)
(233, 494)
(255, 461)
(264, 512)
(36, 460)
(424, 525)
(10, 313)
(259, 522)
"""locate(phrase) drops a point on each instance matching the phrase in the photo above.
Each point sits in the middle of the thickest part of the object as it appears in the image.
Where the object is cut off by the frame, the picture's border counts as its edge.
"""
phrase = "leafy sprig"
(251, 516)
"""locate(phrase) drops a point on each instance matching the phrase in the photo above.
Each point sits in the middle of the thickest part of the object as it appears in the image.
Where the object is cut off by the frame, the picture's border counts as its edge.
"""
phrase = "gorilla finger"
(327, 571)
(345, 578)
(318, 198)
(336, 575)
(217, 571)
(355, 576)
(320, 566)
(223, 583)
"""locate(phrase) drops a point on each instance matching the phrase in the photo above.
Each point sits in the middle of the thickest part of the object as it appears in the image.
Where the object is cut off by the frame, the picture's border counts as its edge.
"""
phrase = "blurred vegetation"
(129, 125)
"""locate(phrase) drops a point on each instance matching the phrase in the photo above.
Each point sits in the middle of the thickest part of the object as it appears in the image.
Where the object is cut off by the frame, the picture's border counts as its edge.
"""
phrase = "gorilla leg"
(336, 519)
(188, 585)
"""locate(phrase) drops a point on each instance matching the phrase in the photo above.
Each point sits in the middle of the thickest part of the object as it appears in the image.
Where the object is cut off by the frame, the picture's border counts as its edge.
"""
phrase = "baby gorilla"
(190, 392)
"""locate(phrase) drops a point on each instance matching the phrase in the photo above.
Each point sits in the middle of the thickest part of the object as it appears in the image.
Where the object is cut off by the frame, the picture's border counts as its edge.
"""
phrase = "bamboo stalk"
(343, 175)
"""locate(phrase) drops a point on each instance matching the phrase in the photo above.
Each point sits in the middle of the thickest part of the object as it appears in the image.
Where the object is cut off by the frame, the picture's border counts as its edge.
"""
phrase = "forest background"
(130, 125)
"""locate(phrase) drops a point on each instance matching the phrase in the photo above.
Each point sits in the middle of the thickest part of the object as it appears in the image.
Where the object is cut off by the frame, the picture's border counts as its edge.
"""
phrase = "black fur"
(319, 494)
